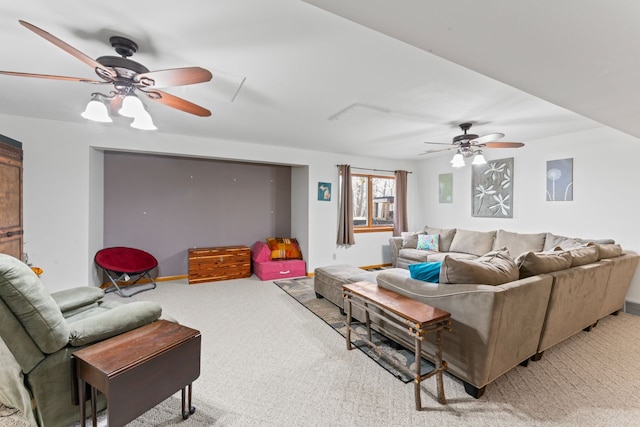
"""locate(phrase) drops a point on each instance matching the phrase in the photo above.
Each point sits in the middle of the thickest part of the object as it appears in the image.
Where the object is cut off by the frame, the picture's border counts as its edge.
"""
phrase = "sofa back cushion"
(472, 242)
(517, 243)
(534, 263)
(446, 236)
(609, 250)
(494, 268)
(18, 341)
(553, 241)
(31, 304)
(410, 239)
(584, 255)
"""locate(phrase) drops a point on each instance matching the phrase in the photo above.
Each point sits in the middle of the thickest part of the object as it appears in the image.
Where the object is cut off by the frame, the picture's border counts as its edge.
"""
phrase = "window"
(373, 198)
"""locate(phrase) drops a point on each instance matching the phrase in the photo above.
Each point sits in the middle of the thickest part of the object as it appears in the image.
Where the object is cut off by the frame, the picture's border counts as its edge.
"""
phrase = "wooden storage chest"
(219, 263)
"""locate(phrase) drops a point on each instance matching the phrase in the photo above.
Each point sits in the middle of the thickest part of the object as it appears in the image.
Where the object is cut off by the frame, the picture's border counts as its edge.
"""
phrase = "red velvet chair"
(122, 264)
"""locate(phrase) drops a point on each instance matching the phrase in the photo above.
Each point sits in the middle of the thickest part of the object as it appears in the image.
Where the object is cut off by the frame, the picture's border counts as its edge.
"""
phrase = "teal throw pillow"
(426, 271)
(428, 242)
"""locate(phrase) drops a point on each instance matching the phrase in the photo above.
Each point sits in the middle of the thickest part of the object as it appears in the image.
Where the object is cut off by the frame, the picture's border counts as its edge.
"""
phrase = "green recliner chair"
(40, 331)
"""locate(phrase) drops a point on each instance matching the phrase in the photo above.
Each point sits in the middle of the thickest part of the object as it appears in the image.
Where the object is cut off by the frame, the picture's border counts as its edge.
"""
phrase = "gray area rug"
(301, 289)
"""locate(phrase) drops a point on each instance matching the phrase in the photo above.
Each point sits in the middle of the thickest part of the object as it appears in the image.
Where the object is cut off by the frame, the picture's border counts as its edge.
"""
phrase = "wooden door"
(11, 231)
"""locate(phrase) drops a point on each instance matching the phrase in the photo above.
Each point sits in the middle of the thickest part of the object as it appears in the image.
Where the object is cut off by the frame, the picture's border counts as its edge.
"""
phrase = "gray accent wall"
(165, 205)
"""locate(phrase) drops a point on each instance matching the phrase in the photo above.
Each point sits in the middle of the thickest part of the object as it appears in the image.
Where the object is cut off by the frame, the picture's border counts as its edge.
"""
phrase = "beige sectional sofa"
(561, 287)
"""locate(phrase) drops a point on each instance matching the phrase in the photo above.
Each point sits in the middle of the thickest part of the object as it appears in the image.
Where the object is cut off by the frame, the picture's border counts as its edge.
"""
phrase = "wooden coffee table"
(139, 369)
(408, 317)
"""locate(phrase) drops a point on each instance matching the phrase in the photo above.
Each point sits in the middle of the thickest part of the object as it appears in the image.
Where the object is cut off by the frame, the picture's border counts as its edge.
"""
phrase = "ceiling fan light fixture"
(457, 161)
(144, 122)
(96, 111)
(479, 159)
(132, 107)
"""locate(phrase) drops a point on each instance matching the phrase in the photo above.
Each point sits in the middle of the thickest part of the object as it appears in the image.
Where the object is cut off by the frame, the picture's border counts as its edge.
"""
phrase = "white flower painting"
(492, 189)
(560, 180)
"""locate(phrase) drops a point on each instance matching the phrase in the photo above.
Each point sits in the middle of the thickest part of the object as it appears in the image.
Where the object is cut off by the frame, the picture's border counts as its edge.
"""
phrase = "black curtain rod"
(374, 170)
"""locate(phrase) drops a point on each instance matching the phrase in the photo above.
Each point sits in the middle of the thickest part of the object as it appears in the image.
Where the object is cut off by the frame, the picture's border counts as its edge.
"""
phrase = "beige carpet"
(268, 361)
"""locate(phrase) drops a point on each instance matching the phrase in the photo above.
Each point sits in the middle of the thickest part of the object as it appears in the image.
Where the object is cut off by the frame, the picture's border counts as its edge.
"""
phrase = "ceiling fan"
(128, 77)
(469, 145)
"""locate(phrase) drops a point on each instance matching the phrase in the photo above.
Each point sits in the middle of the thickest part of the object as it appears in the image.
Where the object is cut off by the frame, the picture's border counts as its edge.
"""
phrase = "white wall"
(606, 172)
(63, 201)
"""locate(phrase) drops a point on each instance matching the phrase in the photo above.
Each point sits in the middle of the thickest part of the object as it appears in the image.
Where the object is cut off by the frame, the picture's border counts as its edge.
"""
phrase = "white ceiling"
(316, 80)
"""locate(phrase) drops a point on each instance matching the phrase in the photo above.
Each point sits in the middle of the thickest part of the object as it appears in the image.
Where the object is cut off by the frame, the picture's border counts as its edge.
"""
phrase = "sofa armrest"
(395, 243)
(71, 300)
(494, 328)
(113, 322)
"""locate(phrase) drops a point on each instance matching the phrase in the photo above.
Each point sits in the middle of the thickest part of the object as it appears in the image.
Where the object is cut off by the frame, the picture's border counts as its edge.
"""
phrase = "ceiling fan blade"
(503, 144)
(176, 102)
(439, 143)
(174, 77)
(68, 48)
(436, 151)
(489, 138)
(48, 76)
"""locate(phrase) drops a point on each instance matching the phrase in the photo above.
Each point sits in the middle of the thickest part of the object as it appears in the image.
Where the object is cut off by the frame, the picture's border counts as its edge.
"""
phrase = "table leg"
(441, 398)
(192, 409)
(367, 320)
(94, 412)
(418, 363)
(187, 409)
(82, 400)
(348, 301)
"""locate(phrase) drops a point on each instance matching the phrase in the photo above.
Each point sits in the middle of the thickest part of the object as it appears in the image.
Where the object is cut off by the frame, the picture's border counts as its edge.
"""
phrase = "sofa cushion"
(439, 256)
(37, 311)
(279, 269)
(584, 255)
(284, 248)
(428, 242)
(553, 241)
(493, 268)
(414, 255)
(112, 321)
(83, 297)
(410, 239)
(445, 239)
(518, 243)
(337, 275)
(534, 263)
(605, 251)
(472, 242)
(426, 271)
(260, 252)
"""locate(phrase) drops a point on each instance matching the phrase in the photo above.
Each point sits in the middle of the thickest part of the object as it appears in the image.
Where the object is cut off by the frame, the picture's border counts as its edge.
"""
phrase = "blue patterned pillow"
(428, 242)
(426, 271)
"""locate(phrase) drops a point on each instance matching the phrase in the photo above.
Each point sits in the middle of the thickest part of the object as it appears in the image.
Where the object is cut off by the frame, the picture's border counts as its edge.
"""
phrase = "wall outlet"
(334, 256)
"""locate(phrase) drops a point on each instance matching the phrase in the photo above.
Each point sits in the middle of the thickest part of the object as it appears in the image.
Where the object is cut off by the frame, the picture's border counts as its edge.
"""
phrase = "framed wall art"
(324, 191)
(445, 188)
(492, 189)
(560, 180)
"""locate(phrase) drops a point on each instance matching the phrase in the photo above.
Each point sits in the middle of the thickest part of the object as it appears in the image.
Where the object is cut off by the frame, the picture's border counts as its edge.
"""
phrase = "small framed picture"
(560, 180)
(324, 191)
(445, 188)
